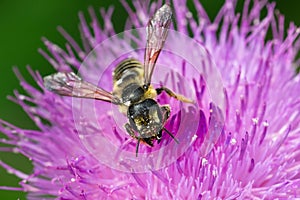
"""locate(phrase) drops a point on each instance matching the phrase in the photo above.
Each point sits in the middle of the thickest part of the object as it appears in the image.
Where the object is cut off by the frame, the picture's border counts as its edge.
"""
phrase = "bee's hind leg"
(173, 94)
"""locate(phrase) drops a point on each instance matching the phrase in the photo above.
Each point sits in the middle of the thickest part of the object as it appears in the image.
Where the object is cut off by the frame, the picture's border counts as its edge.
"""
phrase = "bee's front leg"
(166, 110)
(166, 114)
(173, 94)
(130, 131)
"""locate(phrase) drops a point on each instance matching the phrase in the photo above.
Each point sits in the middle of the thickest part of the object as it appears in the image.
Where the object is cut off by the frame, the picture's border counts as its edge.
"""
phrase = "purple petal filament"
(257, 155)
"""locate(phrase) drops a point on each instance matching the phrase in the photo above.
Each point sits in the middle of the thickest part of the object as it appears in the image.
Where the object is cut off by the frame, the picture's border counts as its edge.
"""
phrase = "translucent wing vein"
(69, 84)
(157, 32)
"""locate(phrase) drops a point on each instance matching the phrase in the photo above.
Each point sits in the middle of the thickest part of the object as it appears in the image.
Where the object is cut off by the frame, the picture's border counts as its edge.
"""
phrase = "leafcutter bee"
(132, 90)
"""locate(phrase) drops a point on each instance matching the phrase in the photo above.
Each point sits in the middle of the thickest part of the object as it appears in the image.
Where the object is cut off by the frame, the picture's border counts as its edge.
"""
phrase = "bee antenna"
(170, 134)
(137, 147)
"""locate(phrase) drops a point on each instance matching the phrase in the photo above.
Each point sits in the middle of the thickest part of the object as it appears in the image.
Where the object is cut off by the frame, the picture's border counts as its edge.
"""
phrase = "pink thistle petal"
(248, 149)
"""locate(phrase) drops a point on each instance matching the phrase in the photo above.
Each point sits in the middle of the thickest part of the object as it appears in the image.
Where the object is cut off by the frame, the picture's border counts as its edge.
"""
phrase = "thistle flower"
(238, 142)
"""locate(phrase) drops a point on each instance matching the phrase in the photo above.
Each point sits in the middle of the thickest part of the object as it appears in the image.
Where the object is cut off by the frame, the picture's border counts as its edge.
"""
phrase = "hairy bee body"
(132, 90)
(126, 72)
(144, 113)
(128, 83)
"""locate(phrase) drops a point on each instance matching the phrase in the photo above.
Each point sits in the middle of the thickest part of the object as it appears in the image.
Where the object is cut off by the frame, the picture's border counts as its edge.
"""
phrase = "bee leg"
(166, 112)
(173, 94)
(130, 130)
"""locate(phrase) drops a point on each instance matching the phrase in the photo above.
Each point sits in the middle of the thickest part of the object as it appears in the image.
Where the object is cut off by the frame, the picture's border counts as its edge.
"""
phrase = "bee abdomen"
(128, 69)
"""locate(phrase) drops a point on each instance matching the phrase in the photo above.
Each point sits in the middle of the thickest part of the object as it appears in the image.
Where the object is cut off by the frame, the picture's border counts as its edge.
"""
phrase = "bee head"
(146, 118)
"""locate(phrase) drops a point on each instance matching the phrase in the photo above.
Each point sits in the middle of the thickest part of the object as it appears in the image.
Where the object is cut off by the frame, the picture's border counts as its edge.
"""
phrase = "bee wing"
(69, 84)
(157, 32)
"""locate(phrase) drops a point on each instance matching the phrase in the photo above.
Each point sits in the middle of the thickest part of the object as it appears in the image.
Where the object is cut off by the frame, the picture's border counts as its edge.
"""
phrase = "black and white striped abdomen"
(127, 70)
(127, 76)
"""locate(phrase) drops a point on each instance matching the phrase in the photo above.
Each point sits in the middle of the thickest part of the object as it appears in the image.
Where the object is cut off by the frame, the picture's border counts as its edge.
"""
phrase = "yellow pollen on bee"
(151, 93)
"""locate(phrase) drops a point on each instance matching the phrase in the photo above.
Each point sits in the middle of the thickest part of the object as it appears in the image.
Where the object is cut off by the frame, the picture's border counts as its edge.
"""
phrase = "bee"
(132, 90)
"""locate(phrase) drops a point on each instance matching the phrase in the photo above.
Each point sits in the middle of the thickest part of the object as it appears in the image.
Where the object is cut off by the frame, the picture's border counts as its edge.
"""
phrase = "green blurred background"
(23, 23)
